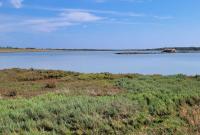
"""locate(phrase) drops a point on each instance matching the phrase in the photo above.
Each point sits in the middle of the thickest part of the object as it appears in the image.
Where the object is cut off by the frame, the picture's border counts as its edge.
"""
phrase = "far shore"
(118, 51)
(12, 50)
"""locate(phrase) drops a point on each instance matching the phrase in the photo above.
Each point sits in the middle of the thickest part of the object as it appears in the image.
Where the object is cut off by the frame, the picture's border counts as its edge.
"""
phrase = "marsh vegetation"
(58, 102)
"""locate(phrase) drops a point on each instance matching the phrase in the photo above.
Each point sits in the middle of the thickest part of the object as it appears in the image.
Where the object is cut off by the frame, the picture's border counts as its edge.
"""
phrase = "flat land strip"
(58, 102)
(10, 50)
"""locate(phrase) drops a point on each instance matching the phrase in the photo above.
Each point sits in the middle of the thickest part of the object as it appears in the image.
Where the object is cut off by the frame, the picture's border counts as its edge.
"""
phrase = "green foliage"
(58, 113)
(101, 76)
(154, 104)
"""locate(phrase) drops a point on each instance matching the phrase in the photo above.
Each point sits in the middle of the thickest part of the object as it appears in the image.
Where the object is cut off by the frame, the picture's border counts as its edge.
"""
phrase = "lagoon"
(104, 61)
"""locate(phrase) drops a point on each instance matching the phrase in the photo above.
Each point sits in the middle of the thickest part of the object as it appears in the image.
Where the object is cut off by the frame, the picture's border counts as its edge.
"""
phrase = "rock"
(169, 50)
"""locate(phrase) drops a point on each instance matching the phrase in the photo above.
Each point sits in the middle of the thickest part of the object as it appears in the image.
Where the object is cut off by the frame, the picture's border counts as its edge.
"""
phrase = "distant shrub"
(34, 75)
(50, 85)
(12, 93)
(53, 74)
(84, 77)
(45, 125)
(100, 76)
(197, 77)
(29, 76)
(180, 76)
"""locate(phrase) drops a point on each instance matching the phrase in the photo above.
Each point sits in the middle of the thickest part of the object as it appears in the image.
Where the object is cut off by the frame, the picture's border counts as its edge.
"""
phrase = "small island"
(162, 50)
(169, 50)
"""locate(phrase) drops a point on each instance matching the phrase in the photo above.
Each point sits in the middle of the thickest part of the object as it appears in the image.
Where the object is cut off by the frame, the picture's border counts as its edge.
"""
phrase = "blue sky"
(117, 24)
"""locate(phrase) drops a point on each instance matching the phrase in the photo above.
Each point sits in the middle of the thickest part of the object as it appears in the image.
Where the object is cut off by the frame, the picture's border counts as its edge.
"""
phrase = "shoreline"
(14, 50)
(117, 52)
(94, 73)
(178, 49)
(137, 53)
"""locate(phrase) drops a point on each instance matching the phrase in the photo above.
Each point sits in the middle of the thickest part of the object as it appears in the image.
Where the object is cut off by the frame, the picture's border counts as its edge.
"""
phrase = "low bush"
(50, 85)
(11, 93)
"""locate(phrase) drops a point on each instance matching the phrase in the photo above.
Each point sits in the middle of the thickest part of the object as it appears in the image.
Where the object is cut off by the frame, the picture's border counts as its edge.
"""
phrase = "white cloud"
(103, 12)
(48, 24)
(65, 19)
(78, 16)
(16, 3)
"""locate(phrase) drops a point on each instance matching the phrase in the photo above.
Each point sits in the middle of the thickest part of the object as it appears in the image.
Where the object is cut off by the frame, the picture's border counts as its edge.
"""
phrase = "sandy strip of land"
(8, 50)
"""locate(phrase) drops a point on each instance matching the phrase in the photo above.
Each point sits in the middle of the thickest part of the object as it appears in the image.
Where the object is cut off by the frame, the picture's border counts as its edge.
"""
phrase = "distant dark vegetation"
(57, 102)
(8, 47)
(162, 50)
(182, 49)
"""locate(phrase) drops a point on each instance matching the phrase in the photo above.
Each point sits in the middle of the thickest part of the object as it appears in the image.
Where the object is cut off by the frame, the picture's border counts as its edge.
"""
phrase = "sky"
(99, 24)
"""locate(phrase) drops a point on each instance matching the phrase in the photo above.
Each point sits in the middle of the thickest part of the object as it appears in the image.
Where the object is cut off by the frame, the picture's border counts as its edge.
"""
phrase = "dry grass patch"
(191, 114)
(29, 83)
(92, 87)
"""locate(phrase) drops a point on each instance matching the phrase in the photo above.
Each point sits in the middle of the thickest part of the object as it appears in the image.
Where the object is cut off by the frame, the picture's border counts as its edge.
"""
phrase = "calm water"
(92, 62)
